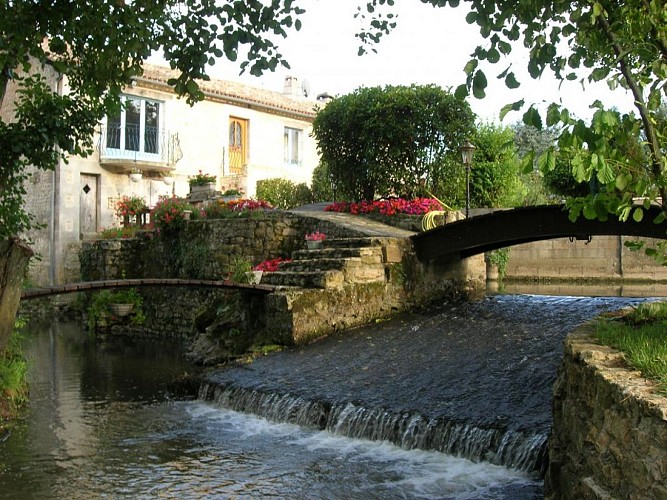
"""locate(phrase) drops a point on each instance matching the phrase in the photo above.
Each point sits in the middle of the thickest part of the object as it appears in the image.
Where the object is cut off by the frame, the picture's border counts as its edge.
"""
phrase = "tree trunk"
(14, 258)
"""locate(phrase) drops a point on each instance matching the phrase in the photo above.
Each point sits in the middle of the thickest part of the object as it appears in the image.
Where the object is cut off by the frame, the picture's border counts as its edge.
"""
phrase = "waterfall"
(409, 430)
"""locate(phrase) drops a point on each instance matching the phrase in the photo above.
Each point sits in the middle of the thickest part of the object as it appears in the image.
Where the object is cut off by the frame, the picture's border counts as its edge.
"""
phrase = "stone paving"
(355, 222)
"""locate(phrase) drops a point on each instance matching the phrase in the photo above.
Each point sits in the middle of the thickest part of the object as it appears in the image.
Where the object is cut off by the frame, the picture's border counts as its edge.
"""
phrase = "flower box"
(254, 277)
(121, 310)
(202, 189)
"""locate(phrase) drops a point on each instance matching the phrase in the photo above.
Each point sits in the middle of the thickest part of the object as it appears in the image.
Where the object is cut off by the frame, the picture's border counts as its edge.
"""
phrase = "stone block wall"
(206, 249)
(609, 428)
(603, 258)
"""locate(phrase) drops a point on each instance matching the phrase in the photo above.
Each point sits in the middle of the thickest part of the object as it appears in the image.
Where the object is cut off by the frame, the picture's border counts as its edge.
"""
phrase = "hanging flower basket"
(121, 310)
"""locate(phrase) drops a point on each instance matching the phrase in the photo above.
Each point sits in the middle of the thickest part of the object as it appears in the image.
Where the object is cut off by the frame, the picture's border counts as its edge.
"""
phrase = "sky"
(429, 45)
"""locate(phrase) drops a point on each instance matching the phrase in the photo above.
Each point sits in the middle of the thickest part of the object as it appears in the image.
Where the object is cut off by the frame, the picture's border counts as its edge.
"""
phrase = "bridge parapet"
(523, 225)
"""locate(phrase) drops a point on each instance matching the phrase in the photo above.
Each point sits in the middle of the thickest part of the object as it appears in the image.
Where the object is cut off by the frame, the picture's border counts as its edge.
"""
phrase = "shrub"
(387, 141)
(130, 206)
(115, 233)
(168, 213)
(322, 186)
(283, 193)
(244, 207)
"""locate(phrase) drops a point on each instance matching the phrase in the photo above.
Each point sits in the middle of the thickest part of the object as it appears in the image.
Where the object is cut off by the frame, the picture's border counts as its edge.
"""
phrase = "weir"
(517, 450)
(472, 380)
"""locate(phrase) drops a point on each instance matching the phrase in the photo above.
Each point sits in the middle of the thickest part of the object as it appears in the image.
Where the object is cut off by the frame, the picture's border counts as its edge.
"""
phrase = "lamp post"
(467, 150)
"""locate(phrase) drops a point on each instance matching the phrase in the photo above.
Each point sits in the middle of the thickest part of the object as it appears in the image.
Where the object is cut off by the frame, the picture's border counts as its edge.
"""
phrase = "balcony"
(127, 147)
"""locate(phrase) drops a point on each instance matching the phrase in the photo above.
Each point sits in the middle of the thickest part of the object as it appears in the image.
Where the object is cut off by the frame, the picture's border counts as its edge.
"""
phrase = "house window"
(135, 130)
(292, 146)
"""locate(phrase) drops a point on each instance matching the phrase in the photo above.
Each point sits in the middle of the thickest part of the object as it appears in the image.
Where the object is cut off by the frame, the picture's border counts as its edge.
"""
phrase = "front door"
(88, 219)
(238, 144)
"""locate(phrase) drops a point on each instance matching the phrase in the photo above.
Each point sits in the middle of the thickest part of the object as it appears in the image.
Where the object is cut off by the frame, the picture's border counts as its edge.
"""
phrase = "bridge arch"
(510, 227)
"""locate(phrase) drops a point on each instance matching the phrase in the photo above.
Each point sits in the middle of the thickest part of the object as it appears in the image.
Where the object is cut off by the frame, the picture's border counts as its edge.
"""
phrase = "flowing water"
(364, 414)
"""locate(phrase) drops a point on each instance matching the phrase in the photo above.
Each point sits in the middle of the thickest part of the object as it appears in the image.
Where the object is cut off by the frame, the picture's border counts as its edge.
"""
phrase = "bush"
(322, 186)
(283, 193)
(168, 213)
(380, 142)
(116, 233)
(220, 209)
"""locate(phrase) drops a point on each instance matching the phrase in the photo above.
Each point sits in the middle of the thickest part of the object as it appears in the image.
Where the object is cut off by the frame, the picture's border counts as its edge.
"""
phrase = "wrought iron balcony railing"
(127, 143)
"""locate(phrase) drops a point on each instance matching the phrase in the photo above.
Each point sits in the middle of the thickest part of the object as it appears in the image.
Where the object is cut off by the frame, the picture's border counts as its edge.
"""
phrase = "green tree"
(622, 43)
(552, 185)
(98, 46)
(495, 179)
(390, 141)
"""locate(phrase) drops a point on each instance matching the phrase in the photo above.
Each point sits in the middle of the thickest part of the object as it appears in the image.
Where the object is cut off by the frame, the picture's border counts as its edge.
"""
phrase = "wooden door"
(238, 144)
(88, 218)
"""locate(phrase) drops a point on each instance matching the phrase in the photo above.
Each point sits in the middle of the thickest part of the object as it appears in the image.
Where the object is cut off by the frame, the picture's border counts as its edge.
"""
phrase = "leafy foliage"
(283, 193)
(391, 141)
(495, 179)
(169, 213)
(100, 46)
(322, 185)
(99, 311)
(621, 43)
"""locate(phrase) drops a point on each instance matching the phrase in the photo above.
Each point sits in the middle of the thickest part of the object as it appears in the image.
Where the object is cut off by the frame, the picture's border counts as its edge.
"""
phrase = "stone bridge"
(505, 228)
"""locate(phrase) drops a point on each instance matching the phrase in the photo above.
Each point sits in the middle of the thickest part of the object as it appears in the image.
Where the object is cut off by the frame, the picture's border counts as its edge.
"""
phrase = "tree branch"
(640, 103)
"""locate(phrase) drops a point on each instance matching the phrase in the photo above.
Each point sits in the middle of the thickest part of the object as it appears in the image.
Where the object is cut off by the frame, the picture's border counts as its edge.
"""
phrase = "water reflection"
(652, 289)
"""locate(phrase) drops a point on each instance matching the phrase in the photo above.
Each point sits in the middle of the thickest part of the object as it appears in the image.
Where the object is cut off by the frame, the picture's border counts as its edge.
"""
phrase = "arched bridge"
(522, 225)
(87, 286)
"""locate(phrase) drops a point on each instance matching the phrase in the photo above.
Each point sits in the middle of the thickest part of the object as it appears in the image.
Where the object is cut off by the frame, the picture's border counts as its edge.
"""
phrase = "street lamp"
(467, 150)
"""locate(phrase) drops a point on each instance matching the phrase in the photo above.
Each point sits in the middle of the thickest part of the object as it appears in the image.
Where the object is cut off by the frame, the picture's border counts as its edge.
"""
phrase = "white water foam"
(371, 469)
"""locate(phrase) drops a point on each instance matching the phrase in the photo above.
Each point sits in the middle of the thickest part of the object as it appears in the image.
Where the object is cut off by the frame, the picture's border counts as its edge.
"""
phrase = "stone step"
(366, 241)
(338, 253)
(313, 264)
(305, 279)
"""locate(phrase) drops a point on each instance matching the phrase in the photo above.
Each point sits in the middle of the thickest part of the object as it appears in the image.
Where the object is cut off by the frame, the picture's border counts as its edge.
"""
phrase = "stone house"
(238, 133)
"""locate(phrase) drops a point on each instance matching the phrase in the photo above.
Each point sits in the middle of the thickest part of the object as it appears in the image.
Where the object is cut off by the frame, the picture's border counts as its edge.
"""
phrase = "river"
(108, 417)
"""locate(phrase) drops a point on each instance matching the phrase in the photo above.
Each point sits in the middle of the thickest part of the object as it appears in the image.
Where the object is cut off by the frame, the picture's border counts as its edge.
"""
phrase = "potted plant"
(131, 210)
(232, 194)
(267, 266)
(315, 240)
(202, 183)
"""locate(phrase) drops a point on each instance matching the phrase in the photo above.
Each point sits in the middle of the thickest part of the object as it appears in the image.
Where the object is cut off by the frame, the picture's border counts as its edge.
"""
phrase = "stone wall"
(291, 315)
(205, 249)
(603, 258)
(609, 429)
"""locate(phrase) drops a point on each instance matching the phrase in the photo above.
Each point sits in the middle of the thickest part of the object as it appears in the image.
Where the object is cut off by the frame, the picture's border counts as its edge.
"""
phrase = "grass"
(642, 336)
(13, 384)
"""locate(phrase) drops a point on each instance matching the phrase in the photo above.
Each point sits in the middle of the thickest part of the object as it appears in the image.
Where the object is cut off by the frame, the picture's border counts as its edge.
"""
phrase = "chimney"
(292, 87)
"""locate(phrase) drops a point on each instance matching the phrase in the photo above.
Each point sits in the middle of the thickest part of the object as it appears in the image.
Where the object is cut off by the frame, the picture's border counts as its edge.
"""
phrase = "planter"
(187, 214)
(121, 309)
(254, 277)
(314, 244)
(203, 189)
(231, 197)
(135, 177)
